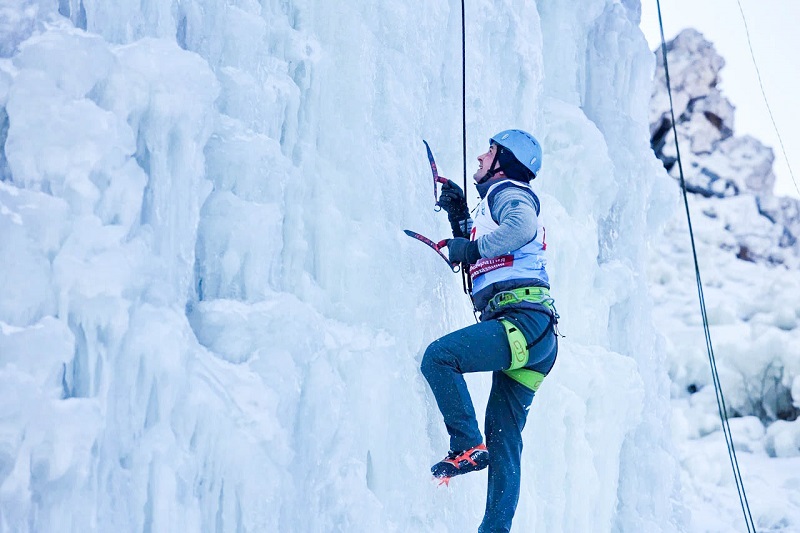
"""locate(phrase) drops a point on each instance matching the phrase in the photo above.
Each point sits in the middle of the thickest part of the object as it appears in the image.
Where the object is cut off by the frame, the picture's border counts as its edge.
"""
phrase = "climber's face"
(485, 163)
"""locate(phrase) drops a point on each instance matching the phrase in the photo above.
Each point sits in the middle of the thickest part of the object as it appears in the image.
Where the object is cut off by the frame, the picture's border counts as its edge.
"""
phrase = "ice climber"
(516, 337)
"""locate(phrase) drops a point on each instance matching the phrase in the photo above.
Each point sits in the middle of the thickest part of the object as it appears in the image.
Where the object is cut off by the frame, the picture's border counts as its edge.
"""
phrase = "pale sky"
(775, 36)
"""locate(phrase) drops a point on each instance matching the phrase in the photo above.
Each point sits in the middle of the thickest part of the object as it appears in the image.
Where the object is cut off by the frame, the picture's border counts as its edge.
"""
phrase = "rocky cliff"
(717, 163)
(748, 253)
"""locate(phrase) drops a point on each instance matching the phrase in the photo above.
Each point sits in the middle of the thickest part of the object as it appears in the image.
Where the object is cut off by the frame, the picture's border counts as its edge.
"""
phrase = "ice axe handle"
(435, 246)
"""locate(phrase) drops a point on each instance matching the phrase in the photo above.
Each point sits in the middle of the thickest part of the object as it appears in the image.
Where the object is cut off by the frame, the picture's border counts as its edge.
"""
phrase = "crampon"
(462, 462)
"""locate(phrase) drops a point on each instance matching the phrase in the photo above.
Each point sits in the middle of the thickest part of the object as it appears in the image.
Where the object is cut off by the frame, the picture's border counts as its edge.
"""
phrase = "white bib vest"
(525, 264)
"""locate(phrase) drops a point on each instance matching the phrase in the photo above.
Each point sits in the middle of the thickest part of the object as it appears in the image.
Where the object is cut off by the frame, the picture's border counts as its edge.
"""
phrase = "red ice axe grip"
(435, 246)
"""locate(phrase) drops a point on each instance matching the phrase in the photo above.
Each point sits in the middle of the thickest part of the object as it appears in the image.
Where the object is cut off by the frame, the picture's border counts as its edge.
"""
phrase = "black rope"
(764, 94)
(464, 94)
(466, 280)
(723, 413)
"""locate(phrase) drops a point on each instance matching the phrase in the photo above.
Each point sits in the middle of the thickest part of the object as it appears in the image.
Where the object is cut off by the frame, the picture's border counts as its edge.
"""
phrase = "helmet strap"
(493, 168)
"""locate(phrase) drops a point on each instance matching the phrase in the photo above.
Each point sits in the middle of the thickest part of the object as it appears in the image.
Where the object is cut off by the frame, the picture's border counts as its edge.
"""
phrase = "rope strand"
(723, 414)
(466, 280)
(764, 94)
(464, 93)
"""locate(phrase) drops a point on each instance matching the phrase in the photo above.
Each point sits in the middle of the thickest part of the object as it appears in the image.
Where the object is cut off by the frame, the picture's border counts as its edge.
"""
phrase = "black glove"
(461, 250)
(454, 202)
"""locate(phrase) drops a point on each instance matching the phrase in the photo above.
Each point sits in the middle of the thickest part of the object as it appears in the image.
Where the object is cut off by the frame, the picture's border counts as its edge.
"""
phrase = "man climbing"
(515, 338)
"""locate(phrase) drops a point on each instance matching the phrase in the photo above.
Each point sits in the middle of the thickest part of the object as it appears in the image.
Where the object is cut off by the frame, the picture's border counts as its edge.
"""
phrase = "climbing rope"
(723, 413)
(464, 94)
(764, 94)
(466, 280)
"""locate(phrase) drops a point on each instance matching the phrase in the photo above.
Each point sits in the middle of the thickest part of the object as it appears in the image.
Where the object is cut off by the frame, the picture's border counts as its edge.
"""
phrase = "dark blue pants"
(483, 348)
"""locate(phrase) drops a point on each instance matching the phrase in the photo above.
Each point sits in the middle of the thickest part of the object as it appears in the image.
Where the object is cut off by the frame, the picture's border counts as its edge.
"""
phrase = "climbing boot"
(463, 462)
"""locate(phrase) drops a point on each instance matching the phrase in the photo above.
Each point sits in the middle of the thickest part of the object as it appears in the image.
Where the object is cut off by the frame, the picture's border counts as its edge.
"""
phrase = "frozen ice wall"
(211, 319)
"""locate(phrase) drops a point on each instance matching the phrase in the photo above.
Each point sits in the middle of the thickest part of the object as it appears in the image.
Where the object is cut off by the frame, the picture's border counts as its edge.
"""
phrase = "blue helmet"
(523, 146)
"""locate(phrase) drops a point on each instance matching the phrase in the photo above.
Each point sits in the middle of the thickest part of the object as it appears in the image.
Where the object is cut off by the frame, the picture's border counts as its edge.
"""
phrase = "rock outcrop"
(717, 163)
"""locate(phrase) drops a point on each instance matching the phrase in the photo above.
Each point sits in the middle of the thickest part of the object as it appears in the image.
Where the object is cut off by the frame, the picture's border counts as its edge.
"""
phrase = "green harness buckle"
(537, 295)
(519, 358)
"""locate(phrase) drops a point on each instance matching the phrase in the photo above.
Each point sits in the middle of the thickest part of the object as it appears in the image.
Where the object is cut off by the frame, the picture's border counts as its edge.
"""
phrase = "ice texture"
(211, 319)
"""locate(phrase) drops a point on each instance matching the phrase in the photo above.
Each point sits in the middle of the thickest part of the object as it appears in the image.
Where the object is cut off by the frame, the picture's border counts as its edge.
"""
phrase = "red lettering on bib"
(487, 265)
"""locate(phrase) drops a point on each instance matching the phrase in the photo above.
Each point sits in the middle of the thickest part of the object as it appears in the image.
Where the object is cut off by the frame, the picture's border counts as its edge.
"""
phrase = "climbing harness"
(520, 351)
(723, 413)
(536, 295)
(520, 347)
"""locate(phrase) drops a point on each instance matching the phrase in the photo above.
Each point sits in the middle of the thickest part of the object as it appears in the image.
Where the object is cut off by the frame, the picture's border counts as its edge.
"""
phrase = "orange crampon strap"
(466, 456)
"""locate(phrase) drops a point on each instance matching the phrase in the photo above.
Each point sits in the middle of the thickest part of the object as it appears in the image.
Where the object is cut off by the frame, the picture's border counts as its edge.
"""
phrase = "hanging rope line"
(764, 94)
(723, 413)
(466, 279)
(464, 93)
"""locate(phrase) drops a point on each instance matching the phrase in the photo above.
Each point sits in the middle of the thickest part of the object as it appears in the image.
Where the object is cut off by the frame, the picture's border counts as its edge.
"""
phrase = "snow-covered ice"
(210, 317)
(748, 255)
